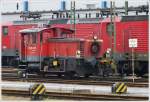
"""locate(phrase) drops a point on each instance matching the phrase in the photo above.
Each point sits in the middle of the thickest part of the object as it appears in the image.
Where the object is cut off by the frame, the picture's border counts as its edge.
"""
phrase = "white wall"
(10, 18)
(10, 5)
(44, 5)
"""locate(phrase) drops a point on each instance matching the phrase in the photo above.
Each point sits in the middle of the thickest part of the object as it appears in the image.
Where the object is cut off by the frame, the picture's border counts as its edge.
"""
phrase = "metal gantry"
(98, 11)
(73, 16)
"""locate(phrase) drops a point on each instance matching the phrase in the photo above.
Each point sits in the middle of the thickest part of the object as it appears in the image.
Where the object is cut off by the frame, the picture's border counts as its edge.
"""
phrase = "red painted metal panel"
(62, 49)
(86, 32)
(138, 30)
(12, 40)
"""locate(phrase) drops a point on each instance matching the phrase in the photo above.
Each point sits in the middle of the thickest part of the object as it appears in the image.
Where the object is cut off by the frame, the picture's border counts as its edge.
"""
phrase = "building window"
(97, 15)
(5, 30)
(90, 6)
(89, 15)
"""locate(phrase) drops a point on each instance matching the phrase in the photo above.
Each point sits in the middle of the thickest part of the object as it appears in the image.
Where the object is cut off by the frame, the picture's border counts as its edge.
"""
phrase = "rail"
(79, 96)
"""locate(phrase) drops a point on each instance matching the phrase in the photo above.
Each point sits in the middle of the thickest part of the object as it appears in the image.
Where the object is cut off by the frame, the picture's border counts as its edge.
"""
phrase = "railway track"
(78, 96)
(106, 81)
(80, 82)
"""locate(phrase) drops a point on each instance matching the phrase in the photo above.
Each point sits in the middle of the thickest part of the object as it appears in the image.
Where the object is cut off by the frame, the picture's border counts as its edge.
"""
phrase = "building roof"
(36, 30)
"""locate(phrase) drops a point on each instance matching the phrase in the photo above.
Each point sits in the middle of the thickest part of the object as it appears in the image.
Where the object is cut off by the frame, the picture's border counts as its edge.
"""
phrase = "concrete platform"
(70, 88)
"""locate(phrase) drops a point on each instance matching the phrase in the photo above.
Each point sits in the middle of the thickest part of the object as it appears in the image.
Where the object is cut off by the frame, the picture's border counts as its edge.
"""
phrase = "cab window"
(34, 38)
(109, 28)
(41, 37)
(5, 30)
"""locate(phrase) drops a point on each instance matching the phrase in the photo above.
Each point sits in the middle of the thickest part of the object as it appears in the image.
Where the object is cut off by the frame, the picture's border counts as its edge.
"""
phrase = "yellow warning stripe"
(36, 90)
(43, 89)
(124, 88)
(120, 87)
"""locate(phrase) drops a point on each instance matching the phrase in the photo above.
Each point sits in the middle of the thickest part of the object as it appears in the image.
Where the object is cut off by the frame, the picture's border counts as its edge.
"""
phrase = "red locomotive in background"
(85, 51)
(11, 42)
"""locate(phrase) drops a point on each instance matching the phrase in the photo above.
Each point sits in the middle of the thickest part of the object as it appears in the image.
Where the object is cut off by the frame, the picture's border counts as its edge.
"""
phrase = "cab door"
(31, 47)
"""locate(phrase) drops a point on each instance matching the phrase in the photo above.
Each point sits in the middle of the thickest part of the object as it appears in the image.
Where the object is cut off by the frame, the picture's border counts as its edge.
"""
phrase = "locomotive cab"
(31, 48)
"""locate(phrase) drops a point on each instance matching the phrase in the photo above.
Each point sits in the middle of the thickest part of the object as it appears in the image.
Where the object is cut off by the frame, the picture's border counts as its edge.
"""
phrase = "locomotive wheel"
(22, 74)
(123, 69)
(19, 74)
(100, 71)
(11, 63)
(69, 75)
(59, 75)
(42, 74)
(139, 69)
(86, 75)
(107, 72)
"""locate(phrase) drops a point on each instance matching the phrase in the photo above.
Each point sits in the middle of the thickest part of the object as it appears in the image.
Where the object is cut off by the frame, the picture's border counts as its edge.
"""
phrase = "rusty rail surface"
(79, 82)
(79, 96)
(107, 81)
